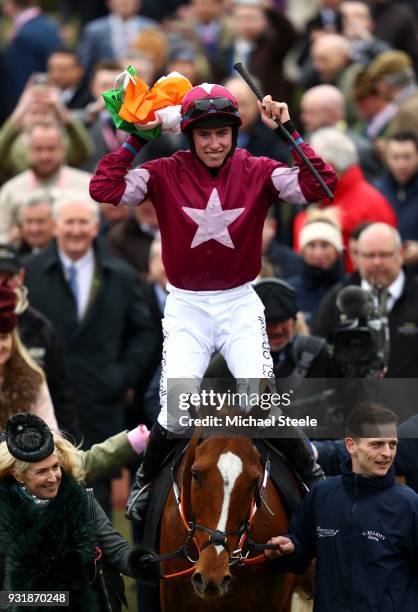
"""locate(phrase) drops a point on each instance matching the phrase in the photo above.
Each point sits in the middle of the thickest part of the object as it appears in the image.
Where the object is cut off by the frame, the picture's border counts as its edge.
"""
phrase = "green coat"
(105, 458)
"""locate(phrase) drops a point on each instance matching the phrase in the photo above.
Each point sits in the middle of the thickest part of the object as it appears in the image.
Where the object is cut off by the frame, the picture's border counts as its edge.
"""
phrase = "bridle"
(246, 546)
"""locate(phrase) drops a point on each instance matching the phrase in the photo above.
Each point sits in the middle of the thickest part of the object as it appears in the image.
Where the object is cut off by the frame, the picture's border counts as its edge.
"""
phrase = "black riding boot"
(159, 445)
(297, 453)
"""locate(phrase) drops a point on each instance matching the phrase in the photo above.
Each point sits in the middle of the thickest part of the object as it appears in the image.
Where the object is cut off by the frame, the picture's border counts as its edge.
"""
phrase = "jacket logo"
(373, 535)
(326, 533)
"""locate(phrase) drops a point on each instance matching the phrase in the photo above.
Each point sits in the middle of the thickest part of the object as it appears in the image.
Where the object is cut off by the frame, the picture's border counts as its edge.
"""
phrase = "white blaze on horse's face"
(230, 467)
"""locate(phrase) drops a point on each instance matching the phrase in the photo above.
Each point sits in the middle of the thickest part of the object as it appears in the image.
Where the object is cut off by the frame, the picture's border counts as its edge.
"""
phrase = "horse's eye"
(196, 475)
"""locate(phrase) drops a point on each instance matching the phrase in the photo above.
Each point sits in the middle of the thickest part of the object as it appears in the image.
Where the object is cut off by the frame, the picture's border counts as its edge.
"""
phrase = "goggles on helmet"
(196, 107)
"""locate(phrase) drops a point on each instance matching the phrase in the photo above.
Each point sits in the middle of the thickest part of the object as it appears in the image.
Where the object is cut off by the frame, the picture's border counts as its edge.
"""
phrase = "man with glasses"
(394, 290)
(211, 203)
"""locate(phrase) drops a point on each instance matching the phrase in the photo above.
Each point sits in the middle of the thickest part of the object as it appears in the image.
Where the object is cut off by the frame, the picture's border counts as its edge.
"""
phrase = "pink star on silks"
(213, 221)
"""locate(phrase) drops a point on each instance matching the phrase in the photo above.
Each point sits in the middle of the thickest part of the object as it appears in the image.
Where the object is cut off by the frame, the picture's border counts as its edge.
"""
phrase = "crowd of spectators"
(348, 71)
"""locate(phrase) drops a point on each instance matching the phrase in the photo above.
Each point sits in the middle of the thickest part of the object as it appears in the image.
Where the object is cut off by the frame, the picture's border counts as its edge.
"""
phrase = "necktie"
(73, 282)
(384, 335)
(383, 298)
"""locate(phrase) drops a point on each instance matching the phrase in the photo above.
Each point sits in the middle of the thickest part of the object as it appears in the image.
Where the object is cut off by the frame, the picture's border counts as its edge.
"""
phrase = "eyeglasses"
(379, 254)
(221, 104)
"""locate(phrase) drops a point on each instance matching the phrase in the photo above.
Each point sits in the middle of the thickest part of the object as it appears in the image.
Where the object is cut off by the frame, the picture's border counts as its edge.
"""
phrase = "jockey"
(211, 203)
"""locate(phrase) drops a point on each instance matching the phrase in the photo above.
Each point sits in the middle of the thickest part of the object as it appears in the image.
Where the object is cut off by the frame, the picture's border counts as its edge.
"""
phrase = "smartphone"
(40, 79)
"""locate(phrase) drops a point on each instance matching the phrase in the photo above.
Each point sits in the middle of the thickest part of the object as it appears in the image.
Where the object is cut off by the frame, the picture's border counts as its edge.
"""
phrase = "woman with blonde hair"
(54, 536)
(22, 382)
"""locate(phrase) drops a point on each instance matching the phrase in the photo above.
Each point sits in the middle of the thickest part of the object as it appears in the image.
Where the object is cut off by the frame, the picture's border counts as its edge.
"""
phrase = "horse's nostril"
(198, 581)
(225, 581)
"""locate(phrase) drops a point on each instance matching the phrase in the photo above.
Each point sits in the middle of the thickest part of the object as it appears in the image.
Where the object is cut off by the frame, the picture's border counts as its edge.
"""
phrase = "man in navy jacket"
(362, 526)
(331, 454)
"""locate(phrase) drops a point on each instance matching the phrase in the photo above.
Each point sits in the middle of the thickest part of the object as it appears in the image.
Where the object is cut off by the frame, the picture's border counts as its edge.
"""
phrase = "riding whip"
(283, 131)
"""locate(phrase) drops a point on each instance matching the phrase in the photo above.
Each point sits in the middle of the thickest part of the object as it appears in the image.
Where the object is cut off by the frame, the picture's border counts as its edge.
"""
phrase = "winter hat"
(8, 320)
(321, 230)
(28, 437)
(279, 299)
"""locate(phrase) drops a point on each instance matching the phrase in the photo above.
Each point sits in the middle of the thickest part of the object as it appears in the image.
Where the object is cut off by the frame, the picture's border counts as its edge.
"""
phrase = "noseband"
(219, 538)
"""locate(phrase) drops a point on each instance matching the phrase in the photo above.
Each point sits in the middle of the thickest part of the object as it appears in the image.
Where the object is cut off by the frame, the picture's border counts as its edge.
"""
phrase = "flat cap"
(279, 299)
(388, 63)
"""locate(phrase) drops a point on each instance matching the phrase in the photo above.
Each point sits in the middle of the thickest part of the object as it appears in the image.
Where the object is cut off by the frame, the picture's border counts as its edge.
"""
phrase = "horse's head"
(225, 477)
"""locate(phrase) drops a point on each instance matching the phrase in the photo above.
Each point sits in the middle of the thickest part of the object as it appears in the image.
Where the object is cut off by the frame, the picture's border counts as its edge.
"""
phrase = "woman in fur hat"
(22, 382)
(52, 530)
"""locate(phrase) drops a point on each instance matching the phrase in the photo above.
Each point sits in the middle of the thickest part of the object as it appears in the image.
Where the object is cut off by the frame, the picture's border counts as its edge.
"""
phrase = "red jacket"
(356, 201)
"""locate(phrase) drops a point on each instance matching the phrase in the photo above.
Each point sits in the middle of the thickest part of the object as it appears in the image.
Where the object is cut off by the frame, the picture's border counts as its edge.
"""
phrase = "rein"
(246, 546)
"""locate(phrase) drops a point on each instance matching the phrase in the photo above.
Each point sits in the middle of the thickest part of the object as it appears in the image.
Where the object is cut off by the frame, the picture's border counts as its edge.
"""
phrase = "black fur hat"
(28, 437)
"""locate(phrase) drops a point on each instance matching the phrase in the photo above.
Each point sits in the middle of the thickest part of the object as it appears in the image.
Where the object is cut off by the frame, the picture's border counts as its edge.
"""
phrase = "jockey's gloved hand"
(144, 566)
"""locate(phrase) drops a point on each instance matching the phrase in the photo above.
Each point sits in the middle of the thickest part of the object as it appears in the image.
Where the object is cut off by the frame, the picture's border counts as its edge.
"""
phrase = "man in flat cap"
(295, 356)
(394, 77)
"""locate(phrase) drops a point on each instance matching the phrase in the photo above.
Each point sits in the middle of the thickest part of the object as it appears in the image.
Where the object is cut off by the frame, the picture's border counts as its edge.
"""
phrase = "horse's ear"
(187, 474)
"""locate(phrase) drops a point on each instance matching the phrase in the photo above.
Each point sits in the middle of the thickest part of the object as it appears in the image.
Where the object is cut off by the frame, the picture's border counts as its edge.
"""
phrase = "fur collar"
(49, 547)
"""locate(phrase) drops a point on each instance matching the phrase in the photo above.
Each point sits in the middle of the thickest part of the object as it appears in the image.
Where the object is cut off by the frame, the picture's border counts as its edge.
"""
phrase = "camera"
(361, 341)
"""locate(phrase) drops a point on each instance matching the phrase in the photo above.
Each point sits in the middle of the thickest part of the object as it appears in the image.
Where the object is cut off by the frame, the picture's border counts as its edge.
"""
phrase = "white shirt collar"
(85, 274)
(395, 289)
(405, 93)
(66, 94)
(87, 259)
(118, 21)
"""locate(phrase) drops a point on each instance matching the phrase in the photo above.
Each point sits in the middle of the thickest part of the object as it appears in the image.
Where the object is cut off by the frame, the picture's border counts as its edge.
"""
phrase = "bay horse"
(222, 502)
